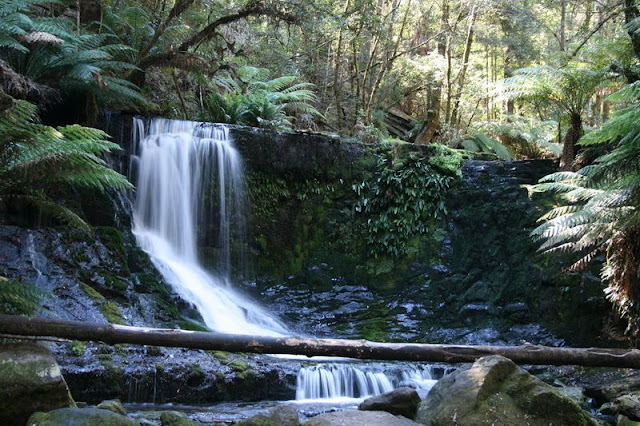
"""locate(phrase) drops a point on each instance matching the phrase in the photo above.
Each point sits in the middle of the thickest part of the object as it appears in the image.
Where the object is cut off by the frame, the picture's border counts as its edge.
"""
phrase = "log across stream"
(359, 349)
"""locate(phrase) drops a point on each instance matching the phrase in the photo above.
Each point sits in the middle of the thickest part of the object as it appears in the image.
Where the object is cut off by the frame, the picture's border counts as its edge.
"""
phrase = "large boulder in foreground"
(359, 418)
(30, 381)
(80, 417)
(399, 402)
(496, 391)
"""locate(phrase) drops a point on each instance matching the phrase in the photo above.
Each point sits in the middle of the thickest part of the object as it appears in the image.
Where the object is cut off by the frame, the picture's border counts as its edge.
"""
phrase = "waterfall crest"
(176, 164)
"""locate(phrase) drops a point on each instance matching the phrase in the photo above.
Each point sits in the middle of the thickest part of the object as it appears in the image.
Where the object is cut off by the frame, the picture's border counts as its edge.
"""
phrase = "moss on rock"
(30, 381)
(81, 417)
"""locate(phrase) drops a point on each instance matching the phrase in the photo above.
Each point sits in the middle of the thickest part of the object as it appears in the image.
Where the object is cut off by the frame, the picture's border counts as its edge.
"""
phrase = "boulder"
(627, 405)
(359, 418)
(494, 390)
(399, 402)
(80, 417)
(282, 415)
(576, 393)
(113, 405)
(625, 421)
(286, 415)
(30, 381)
(174, 418)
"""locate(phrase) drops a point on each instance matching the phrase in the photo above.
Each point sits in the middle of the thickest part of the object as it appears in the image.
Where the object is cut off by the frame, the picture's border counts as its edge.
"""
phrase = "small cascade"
(331, 382)
(190, 179)
(37, 259)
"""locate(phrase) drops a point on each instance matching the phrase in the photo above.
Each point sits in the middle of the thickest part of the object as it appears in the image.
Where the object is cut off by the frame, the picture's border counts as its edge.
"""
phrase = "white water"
(176, 162)
(338, 383)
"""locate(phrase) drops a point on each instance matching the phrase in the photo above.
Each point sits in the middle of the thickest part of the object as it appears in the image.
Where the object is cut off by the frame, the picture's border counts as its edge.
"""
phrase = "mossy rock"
(113, 405)
(80, 417)
(109, 310)
(173, 418)
(239, 366)
(282, 415)
(30, 381)
(496, 391)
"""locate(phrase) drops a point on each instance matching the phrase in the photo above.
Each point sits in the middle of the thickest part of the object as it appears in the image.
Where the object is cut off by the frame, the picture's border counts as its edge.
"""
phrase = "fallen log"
(360, 349)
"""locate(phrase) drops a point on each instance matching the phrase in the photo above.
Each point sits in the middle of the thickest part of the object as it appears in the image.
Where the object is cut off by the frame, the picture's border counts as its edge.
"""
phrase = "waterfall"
(189, 180)
(184, 169)
(333, 382)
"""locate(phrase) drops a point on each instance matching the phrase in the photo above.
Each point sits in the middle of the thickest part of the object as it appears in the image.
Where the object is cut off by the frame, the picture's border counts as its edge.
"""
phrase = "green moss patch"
(109, 310)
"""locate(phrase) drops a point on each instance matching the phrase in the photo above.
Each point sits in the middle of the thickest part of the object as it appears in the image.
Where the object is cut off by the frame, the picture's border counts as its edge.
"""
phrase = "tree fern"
(256, 101)
(48, 51)
(38, 159)
(567, 89)
(599, 211)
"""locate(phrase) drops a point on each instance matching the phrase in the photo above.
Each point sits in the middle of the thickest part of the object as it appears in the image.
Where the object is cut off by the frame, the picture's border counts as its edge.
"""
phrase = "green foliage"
(599, 212)
(18, 298)
(77, 348)
(402, 200)
(49, 54)
(36, 160)
(251, 100)
(480, 142)
(526, 137)
(568, 88)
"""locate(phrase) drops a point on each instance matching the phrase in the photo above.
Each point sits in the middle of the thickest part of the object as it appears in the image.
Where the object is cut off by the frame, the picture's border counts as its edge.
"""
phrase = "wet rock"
(282, 415)
(113, 405)
(496, 391)
(136, 374)
(625, 421)
(80, 417)
(607, 388)
(359, 418)
(30, 381)
(628, 405)
(516, 311)
(475, 309)
(400, 402)
(575, 393)
(174, 418)
(285, 415)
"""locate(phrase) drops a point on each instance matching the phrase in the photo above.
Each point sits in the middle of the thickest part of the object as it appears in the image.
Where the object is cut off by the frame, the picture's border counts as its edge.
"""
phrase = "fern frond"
(19, 298)
(53, 209)
(558, 211)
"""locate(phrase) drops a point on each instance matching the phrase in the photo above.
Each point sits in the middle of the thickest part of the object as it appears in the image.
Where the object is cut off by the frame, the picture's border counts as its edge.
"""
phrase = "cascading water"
(176, 164)
(336, 382)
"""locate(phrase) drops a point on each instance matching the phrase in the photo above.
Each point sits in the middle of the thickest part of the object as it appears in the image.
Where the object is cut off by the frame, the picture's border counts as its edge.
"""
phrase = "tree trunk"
(431, 124)
(574, 133)
(361, 349)
(465, 65)
(89, 11)
(562, 41)
(337, 85)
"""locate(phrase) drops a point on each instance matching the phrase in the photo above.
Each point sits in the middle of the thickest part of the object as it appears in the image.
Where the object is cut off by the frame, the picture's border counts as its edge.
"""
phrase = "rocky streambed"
(169, 386)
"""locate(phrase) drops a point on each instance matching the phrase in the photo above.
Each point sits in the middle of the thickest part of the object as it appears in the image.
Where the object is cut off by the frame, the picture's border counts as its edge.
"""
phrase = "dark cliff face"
(478, 278)
(489, 264)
